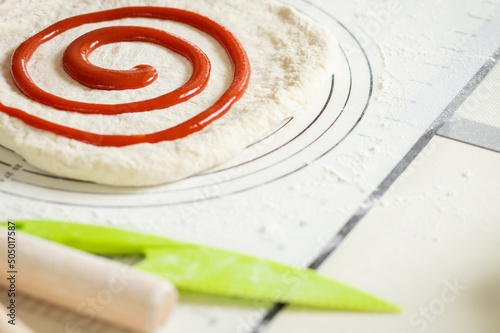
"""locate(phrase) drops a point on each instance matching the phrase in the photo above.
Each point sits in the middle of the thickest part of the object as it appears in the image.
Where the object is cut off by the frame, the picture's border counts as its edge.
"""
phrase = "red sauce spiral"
(76, 64)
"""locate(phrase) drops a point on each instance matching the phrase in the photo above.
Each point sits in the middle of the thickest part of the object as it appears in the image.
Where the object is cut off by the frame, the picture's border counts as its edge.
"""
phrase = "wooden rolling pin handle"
(93, 286)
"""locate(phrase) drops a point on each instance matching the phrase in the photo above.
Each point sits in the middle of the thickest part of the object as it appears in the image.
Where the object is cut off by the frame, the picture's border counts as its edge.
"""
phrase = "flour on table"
(291, 58)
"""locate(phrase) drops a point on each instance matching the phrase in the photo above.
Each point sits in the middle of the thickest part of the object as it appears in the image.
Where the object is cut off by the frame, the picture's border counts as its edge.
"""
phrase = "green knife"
(209, 270)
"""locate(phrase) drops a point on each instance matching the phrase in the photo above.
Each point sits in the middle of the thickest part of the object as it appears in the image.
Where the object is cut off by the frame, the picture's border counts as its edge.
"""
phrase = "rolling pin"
(92, 286)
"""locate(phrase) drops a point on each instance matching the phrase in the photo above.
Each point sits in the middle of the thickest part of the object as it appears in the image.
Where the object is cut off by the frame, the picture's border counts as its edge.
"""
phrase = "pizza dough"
(291, 58)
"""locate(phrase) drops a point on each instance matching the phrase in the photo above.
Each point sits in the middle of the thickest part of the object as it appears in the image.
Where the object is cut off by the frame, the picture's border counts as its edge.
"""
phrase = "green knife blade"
(210, 270)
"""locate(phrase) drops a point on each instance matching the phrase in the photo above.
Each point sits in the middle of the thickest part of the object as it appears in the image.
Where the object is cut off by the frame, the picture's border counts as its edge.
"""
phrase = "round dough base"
(291, 56)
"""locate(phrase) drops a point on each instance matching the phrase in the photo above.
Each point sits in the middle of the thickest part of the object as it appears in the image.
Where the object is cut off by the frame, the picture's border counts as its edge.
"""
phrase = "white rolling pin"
(92, 286)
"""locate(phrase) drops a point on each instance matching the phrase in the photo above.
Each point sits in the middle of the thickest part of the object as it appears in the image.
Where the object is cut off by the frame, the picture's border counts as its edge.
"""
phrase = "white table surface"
(435, 224)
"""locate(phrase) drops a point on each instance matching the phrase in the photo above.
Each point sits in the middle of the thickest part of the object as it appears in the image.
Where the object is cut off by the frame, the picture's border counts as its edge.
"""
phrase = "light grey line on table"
(474, 133)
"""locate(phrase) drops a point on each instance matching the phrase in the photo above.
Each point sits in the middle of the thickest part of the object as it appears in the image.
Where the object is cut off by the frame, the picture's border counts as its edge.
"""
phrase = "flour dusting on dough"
(291, 57)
